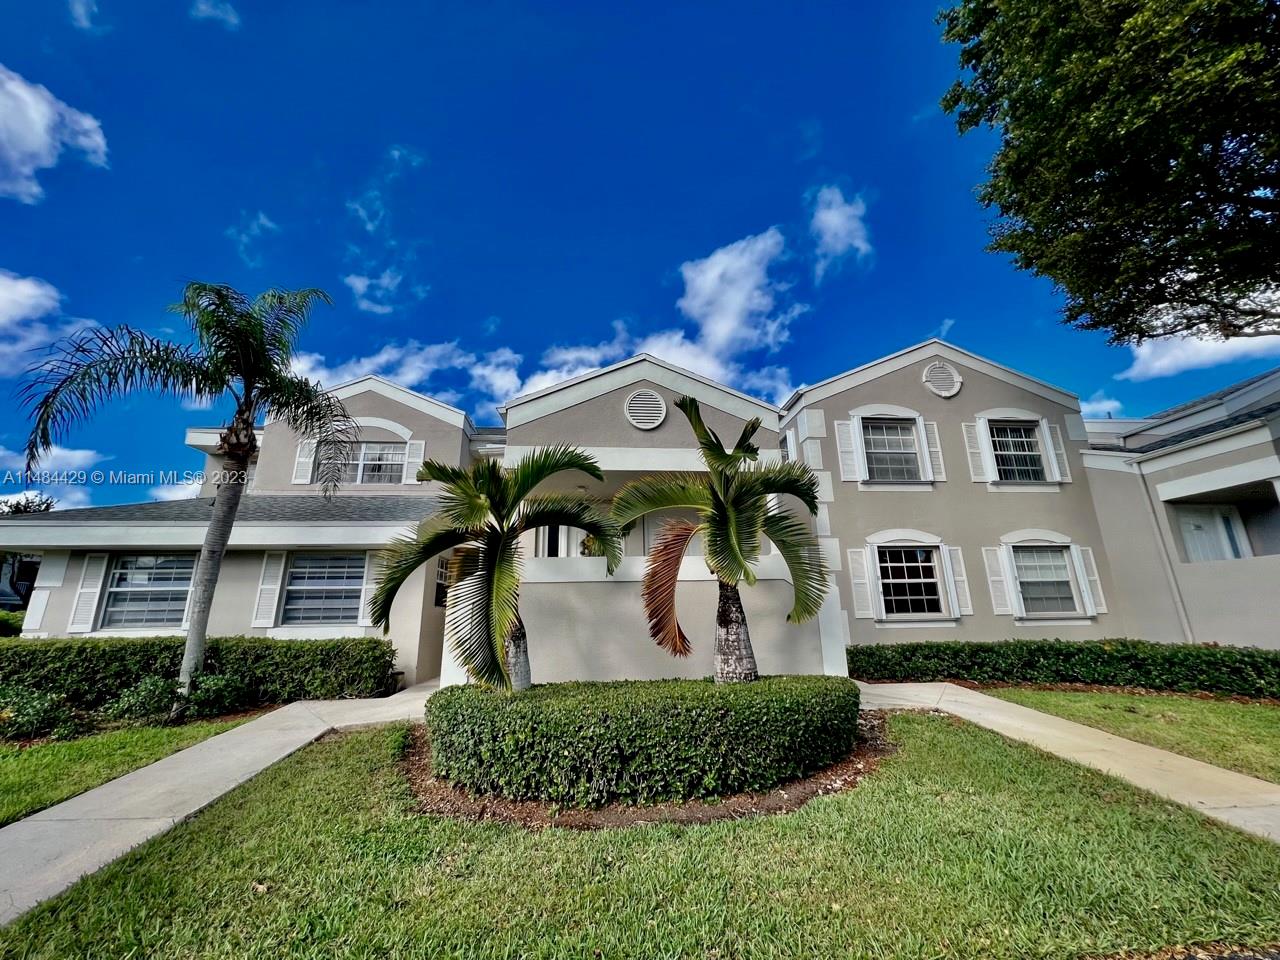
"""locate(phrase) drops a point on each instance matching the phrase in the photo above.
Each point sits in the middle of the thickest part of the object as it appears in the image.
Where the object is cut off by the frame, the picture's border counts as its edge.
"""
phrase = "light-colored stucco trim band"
(81, 535)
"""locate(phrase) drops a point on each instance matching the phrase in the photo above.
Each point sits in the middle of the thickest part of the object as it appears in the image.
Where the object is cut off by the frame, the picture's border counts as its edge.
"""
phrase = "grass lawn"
(962, 845)
(40, 776)
(1238, 736)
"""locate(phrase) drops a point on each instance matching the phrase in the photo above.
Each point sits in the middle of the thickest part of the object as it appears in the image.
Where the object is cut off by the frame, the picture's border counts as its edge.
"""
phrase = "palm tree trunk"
(735, 660)
(518, 658)
(226, 502)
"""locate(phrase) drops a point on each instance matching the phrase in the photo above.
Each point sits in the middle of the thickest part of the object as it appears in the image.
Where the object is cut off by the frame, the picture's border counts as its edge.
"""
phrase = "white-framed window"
(443, 580)
(882, 444)
(147, 590)
(1039, 574)
(375, 462)
(908, 575)
(323, 588)
(1017, 452)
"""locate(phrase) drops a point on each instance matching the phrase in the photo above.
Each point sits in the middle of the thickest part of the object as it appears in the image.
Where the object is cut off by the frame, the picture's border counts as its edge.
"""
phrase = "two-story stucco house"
(960, 499)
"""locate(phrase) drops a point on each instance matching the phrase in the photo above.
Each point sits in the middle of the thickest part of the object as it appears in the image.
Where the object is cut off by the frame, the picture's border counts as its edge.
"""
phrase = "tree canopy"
(1139, 157)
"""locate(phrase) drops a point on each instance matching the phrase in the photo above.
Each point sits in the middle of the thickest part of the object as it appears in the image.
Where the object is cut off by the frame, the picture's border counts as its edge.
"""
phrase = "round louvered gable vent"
(942, 379)
(645, 409)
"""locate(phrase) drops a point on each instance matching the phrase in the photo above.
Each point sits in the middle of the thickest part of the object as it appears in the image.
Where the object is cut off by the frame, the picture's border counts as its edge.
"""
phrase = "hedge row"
(1244, 671)
(640, 741)
(93, 672)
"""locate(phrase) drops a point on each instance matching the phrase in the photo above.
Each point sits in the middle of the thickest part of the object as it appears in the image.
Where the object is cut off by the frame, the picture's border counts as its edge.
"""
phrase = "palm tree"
(483, 511)
(243, 349)
(736, 507)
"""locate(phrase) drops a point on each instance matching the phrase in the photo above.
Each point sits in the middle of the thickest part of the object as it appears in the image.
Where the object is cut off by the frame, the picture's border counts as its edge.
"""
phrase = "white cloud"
(410, 364)
(56, 459)
(175, 491)
(246, 235)
(1100, 405)
(497, 375)
(26, 307)
(773, 383)
(943, 328)
(68, 498)
(35, 126)
(1165, 358)
(374, 294)
(82, 12)
(838, 227)
(219, 10)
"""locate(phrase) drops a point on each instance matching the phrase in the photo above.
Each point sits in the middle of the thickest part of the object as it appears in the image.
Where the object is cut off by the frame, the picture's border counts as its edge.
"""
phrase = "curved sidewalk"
(43, 854)
(1244, 802)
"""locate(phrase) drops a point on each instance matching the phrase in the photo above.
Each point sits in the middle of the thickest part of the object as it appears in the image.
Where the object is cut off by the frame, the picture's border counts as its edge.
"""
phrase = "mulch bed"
(1103, 688)
(438, 798)
(1210, 951)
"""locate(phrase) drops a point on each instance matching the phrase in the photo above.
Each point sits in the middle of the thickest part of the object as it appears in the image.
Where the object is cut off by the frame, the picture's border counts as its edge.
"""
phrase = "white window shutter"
(850, 462)
(85, 609)
(191, 592)
(1059, 453)
(933, 441)
(1001, 603)
(859, 449)
(959, 581)
(372, 571)
(973, 448)
(1048, 452)
(303, 466)
(264, 608)
(793, 451)
(414, 453)
(862, 608)
(923, 455)
(1090, 582)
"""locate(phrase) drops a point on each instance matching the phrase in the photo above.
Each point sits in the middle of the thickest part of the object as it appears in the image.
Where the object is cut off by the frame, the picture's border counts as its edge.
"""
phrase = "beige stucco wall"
(598, 631)
(602, 422)
(963, 513)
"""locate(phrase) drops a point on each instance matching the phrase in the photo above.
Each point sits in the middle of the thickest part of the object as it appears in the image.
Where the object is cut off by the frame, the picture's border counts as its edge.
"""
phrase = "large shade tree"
(736, 503)
(1139, 157)
(242, 352)
(483, 512)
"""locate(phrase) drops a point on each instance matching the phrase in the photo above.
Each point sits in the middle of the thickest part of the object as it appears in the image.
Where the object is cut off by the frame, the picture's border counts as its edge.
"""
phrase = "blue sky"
(498, 195)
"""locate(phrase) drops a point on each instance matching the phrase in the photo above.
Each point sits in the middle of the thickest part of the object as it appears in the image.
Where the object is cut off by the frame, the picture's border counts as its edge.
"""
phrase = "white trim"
(410, 398)
(945, 394)
(928, 350)
(647, 392)
(813, 425)
(137, 536)
(1116, 461)
(900, 486)
(588, 386)
(271, 578)
(1036, 486)
(884, 411)
(372, 570)
(1009, 413)
(1046, 622)
(646, 459)
(378, 423)
(415, 452)
(812, 448)
(88, 596)
(934, 622)
(53, 568)
(37, 603)
(304, 462)
(1035, 535)
(822, 520)
(847, 451)
(316, 632)
(903, 535)
(829, 547)
(1265, 468)
(771, 566)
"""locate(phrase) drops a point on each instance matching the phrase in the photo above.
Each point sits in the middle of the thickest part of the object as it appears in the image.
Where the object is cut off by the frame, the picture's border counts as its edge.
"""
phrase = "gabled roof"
(1218, 396)
(642, 366)
(923, 351)
(411, 398)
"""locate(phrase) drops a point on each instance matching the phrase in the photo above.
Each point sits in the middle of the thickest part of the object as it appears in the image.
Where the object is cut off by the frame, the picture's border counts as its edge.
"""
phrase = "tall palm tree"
(736, 507)
(483, 511)
(243, 350)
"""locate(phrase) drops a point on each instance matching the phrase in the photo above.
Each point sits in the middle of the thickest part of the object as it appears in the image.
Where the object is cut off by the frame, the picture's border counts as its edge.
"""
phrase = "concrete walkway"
(49, 851)
(1247, 803)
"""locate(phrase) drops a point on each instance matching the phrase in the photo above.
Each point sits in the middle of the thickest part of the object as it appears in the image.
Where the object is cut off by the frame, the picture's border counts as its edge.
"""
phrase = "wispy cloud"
(374, 294)
(219, 11)
(1153, 359)
(379, 259)
(175, 491)
(839, 228)
(35, 127)
(1100, 405)
(248, 232)
(66, 497)
(82, 12)
(411, 364)
(29, 320)
(57, 458)
(942, 329)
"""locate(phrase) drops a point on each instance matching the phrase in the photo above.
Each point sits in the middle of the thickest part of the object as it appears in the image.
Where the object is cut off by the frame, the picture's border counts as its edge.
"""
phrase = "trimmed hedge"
(89, 673)
(11, 622)
(1243, 671)
(640, 741)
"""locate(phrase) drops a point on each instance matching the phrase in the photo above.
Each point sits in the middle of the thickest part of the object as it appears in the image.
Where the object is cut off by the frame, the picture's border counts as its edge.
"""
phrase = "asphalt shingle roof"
(1212, 397)
(284, 508)
(1257, 413)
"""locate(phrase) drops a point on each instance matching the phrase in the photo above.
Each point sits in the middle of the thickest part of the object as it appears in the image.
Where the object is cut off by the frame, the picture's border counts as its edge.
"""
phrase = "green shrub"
(148, 699)
(643, 741)
(1243, 671)
(26, 713)
(215, 695)
(93, 672)
(11, 622)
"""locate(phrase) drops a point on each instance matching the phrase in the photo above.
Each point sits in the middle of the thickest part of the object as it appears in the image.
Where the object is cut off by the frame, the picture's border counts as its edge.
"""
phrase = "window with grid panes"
(323, 588)
(145, 590)
(375, 463)
(910, 582)
(1044, 579)
(891, 449)
(1018, 456)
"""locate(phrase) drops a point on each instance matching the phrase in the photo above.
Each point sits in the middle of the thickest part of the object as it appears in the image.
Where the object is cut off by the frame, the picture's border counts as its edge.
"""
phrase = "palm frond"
(776, 479)
(804, 560)
(661, 577)
(733, 539)
(283, 314)
(535, 467)
(744, 447)
(467, 622)
(402, 557)
(571, 510)
(504, 590)
(665, 491)
(92, 366)
(315, 414)
(714, 453)
(460, 500)
(223, 321)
